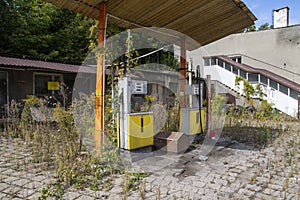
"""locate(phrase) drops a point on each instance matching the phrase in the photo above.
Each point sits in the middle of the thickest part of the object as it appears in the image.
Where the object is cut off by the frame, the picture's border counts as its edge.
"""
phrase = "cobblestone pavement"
(232, 171)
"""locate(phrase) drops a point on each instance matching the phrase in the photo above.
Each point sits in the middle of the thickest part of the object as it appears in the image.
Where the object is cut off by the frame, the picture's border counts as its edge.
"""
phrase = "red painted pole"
(99, 110)
(182, 71)
(182, 80)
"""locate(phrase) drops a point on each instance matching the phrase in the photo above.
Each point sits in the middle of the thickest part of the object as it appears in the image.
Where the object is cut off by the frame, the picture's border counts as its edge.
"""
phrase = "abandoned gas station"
(189, 24)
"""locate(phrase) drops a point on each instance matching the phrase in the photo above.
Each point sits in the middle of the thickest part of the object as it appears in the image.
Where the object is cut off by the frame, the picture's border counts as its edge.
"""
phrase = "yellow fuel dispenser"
(135, 130)
(192, 118)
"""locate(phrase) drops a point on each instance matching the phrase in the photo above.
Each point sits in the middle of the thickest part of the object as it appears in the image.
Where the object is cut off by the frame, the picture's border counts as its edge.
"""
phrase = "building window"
(206, 62)
(228, 67)
(213, 61)
(237, 59)
(273, 84)
(235, 70)
(263, 79)
(252, 77)
(283, 89)
(220, 63)
(294, 94)
(46, 84)
(243, 74)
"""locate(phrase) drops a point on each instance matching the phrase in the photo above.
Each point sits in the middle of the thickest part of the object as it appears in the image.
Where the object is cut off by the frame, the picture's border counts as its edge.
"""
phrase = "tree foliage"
(38, 29)
(264, 26)
(252, 28)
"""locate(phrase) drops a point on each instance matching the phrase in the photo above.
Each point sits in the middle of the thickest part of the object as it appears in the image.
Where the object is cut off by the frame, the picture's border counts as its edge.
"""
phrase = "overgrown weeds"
(57, 144)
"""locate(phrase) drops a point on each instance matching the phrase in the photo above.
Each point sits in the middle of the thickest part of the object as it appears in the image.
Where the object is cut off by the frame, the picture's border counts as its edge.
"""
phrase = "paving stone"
(3, 186)
(268, 191)
(71, 195)
(246, 192)
(85, 197)
(20, 182)
(235, 170)
(33, 185)
(223, 195)
(213, 186)
(213, 180)
(131, 197)
(262, 196)
(207, 194)
(87, 191)
(24, 193)
(2, 195)
(229, 179)
(254, 188)
(8, 171)
(102, 194)
(48, 181)
(10, 179)
(275, 187)
(34, 196)
(233, 174)
(229, 190)
(276, 194)
(39, 178)
(11, 190)
(291, 196)
(262, 179)
(221, 182)
(199, 183)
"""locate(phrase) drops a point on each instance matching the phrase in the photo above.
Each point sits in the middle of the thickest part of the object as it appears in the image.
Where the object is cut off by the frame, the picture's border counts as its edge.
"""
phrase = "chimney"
(281, 17)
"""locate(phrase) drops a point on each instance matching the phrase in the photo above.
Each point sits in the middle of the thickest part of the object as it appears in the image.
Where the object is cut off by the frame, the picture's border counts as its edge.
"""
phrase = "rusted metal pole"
(182, 71)
(182, 80)
(100, 76)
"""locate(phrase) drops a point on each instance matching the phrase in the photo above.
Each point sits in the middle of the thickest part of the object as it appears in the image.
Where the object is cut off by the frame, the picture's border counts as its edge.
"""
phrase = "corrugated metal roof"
(281, 80)
(202, 20)
(19, 62)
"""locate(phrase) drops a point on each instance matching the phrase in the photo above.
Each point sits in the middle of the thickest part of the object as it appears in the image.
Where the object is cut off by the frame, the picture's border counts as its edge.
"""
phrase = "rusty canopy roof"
(19, 62)
(202, 20)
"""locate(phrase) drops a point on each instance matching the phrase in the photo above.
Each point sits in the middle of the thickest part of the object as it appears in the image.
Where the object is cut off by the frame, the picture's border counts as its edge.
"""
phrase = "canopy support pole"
(100, 76)
(182, 80)
(182, 71)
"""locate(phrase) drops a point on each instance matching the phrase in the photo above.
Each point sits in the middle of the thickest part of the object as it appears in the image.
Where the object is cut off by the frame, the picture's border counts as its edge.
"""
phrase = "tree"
(38, 29)
(248, 29)
(264, 26)
(34, 28)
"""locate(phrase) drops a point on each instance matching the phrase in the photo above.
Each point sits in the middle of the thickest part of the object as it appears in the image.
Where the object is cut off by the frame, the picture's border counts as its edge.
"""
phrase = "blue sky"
(262, 9)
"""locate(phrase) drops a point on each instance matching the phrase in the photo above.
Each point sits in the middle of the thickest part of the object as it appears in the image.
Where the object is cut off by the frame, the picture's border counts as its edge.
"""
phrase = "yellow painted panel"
(195, 121)
(141, 131)
(118, 132)
(53, 85)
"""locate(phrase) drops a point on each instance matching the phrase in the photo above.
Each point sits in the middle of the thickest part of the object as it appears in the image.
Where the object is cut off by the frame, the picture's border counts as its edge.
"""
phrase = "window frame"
(52, 79)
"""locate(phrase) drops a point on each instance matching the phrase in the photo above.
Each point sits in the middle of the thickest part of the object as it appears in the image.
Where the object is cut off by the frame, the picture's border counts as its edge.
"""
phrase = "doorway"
(3, 92)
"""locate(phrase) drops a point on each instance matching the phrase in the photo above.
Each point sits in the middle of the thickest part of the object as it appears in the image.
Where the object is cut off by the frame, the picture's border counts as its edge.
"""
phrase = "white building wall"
(281, 101)
(276, 50)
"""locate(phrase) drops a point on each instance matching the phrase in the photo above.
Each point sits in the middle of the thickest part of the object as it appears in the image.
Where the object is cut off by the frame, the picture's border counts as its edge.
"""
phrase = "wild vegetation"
(57, 144)
(57, 137)
(256, 122)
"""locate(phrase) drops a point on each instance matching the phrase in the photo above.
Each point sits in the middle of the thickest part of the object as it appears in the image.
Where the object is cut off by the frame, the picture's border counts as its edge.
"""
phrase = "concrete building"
(276, 50)
(270, 56)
